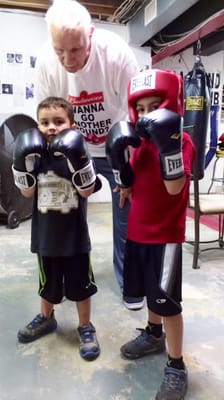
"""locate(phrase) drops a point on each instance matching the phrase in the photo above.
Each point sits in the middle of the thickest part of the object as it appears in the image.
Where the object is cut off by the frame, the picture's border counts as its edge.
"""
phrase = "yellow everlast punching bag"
(197, 104)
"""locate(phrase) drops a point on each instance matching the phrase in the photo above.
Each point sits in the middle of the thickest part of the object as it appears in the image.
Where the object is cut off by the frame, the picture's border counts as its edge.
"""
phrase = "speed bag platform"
(13, 206)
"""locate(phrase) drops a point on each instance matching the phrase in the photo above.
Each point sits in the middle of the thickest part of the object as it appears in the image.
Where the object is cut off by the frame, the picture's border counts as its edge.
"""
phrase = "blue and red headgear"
(156, 82)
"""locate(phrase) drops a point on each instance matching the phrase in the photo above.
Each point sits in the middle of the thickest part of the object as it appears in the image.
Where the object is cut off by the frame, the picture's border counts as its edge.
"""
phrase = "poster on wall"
(17, 81)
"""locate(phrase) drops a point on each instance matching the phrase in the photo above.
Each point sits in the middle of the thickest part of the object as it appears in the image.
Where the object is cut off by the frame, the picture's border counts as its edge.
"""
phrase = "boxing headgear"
(155, 82)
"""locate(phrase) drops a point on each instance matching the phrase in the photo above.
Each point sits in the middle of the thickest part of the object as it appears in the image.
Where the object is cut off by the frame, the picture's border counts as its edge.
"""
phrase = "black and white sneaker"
(133, 303)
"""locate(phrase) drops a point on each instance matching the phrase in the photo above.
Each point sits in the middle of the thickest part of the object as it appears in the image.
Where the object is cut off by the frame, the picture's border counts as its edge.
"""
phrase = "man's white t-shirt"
(98, 92)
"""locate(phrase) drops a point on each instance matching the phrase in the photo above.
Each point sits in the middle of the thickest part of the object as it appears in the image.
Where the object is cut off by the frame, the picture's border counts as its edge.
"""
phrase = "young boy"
(52, 164)
(159, 189)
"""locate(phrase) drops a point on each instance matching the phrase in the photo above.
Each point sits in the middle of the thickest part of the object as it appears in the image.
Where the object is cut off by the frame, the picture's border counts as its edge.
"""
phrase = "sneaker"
(143, 345)
(174, 385)
(133, 303)
(38, 327)
(89, 348)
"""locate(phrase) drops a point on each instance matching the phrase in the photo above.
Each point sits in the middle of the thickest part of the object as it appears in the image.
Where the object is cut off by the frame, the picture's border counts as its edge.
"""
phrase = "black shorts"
(154, 271)
(69, 276)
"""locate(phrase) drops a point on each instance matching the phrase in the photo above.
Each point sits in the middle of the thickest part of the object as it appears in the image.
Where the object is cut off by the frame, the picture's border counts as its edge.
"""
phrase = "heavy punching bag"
(197, 103)
(13, 206)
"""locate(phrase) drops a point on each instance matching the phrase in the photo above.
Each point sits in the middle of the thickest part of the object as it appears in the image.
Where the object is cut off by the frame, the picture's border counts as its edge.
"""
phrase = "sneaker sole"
(90, 356)
(158, 397)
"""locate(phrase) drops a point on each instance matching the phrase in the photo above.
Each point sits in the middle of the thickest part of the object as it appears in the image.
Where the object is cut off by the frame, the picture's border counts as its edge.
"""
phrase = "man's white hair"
(68, 14)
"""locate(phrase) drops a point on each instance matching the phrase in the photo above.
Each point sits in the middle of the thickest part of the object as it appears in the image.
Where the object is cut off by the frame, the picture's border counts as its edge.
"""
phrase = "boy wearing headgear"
(157, 180)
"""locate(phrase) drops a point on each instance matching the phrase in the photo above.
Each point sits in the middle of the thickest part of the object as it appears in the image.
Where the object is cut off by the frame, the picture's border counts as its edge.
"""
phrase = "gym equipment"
(13, 206)
(197, 104)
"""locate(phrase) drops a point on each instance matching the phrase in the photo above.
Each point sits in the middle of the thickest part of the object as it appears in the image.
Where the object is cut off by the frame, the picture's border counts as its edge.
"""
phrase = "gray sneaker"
(89, 347)
(174, 385)
(143, 345)
(38, 327)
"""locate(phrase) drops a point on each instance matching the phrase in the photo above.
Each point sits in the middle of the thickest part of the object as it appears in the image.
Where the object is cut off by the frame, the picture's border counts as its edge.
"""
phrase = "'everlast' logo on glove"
(173, 164)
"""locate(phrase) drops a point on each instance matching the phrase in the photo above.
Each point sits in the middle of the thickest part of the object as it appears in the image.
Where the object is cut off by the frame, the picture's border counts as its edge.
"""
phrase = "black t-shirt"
(59, 219)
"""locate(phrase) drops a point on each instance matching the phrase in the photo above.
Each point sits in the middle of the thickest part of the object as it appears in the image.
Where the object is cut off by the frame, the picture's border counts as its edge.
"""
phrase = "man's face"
(72, 47)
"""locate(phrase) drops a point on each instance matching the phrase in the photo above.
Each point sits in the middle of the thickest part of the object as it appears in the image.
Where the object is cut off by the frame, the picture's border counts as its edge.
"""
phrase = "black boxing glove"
(71, 144)
(164, 127)
(98, 185)
(29, 144)
(119, 138)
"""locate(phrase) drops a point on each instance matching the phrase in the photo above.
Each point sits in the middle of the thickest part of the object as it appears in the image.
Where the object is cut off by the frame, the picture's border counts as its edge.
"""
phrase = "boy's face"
(147, 104)
(53, 120)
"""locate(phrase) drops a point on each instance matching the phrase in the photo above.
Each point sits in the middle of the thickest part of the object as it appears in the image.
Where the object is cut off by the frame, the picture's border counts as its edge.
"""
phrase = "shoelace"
(173, 381)
(87, 337)
(87, 334)
(39, 318)
(142, 334)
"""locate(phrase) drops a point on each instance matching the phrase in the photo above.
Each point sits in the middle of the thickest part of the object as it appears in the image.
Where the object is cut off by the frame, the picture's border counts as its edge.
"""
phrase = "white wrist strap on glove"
(23, 180)
(84, 178)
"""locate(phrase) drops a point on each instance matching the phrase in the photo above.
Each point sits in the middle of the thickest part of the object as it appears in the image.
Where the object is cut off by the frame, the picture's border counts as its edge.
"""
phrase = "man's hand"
(125, 194)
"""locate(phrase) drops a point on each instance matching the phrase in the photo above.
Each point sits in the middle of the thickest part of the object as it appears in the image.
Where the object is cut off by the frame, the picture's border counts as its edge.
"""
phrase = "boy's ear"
(74, 125)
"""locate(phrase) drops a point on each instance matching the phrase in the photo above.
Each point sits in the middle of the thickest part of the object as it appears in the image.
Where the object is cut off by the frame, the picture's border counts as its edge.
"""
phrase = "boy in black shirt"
(52, 164)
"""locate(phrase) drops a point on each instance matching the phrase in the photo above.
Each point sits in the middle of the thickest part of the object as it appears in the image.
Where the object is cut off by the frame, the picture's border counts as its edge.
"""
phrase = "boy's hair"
(57, 102)
(68, 14)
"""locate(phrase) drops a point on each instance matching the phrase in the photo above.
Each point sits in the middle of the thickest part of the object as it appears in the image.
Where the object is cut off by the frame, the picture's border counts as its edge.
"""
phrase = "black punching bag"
(13, 206)
(197, 105)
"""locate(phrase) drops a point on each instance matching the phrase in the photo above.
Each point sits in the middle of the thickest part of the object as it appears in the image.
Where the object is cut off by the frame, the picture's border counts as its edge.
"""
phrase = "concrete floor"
(51, 367)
